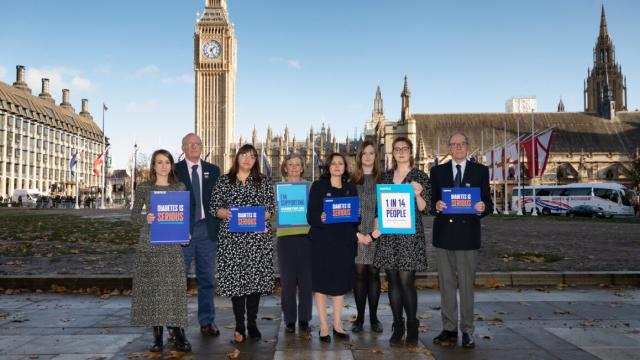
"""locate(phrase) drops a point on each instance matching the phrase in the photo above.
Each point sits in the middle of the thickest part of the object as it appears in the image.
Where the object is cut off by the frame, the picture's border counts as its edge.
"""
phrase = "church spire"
(377, 102)
(603, 23)
(561, 105)
(406, 94)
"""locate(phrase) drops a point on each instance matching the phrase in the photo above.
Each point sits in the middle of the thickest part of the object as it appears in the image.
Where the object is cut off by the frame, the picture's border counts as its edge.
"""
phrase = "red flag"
(542, 148)
(97, 163)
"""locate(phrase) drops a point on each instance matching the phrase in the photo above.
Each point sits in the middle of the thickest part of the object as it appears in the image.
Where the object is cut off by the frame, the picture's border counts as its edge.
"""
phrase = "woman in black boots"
(159, 280)
(245, 259)
(402, 255)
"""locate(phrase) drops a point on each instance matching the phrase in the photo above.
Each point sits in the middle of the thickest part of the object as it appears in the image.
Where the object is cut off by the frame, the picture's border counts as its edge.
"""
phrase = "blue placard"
(342, 209)
(396, 208)
(460, 200)
(247, 219)
(171, 209)
(292, 203)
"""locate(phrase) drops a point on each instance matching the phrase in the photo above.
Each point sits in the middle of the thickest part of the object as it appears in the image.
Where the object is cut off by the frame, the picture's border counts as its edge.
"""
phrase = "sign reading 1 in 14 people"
(247, 219)
(341, 209)
(396, 208)
(171, 209)
(460, 200)
(292, 204)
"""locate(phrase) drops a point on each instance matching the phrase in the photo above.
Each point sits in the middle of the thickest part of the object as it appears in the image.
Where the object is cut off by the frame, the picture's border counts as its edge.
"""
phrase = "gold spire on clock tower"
(215, 74)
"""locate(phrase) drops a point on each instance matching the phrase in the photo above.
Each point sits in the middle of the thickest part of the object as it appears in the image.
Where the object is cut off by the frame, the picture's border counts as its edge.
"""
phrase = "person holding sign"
(294, 254)
(401, 255)
(333, 245)
(199, 177)
(159, 280)
(245, 257)
(456, 238)
(365, 176)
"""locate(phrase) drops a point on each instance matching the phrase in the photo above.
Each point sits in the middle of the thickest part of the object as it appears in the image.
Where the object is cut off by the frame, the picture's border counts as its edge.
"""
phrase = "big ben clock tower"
(215, 72)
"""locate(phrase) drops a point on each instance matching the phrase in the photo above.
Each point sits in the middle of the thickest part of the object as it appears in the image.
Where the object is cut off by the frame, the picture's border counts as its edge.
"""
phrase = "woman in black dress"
(402, 255)
(333, 246)
(245, 259)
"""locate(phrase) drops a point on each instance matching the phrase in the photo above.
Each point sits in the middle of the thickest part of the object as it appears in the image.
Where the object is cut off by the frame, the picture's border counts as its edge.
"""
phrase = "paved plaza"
(511, 324)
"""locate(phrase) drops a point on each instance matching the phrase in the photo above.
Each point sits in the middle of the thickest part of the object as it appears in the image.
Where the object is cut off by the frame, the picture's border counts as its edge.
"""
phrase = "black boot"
(181, 343)
(157, 339)
(412, 332)
(253, 302)
(238, 303)
(397, 332)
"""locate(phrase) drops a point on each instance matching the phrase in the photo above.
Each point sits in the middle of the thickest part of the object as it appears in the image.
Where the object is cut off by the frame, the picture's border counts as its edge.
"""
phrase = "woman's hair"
(153, 177)
(326, 173)
(283, 166)
(358, 174)
(255, 170)
(406, 140)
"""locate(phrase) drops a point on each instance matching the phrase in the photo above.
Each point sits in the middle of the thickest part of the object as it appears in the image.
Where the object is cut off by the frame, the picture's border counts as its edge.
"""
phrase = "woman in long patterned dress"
(245, 259)
(365, 176)
(402, 255)
(159, 280)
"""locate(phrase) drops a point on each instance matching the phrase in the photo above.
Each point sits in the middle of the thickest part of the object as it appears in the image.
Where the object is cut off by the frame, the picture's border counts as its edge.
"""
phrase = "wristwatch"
(373, 237)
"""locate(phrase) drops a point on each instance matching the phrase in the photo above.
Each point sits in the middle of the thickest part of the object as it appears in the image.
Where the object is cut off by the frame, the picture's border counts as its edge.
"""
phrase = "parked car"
(589, 211)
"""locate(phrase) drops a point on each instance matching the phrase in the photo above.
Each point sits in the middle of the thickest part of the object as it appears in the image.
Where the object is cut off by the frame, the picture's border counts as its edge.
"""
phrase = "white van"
(27, 197)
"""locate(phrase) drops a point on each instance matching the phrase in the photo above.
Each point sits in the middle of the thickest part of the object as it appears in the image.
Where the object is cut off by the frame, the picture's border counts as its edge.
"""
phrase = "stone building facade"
(38, 139)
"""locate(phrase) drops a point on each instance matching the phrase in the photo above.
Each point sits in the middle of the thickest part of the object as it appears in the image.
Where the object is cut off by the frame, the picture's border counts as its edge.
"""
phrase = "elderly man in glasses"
(456, 238)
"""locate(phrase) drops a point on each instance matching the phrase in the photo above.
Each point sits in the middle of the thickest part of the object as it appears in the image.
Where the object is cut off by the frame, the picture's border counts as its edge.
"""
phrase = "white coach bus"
(614, 198)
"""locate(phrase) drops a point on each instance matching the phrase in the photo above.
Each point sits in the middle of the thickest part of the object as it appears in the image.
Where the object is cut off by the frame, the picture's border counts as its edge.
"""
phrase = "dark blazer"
(210, 175)
(459, 232)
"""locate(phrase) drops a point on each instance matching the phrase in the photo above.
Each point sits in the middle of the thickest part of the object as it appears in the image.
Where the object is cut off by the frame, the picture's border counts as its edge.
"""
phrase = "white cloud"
(142, 107)
(181, 79)
(148, 70)
(292, 63)
(59, 78)
(3, 72)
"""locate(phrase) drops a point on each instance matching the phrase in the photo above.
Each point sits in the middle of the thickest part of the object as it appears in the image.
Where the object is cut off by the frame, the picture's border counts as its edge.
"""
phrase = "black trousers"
(294, 258)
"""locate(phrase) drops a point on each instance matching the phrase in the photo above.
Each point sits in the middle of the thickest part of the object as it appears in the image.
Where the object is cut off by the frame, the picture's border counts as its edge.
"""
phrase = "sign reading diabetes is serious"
(342, 209)
(171, 209)
(396, 208)
(247, 219)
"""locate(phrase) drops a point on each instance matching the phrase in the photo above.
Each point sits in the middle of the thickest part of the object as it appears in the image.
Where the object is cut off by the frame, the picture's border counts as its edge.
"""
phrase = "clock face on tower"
(211, 49)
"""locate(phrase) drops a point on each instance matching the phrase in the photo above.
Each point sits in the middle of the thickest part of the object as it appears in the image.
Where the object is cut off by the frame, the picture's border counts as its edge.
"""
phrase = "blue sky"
(305, 62)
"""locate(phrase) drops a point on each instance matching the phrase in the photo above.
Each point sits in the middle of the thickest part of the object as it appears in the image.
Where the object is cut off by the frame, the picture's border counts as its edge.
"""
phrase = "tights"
(402, 294)
(367, 286)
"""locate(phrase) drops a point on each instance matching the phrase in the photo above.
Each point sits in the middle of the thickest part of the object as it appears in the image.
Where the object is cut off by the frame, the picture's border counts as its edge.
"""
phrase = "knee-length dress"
(159, 280)
(367, 195)
(405, 252)
(333, 246)
(245, 259)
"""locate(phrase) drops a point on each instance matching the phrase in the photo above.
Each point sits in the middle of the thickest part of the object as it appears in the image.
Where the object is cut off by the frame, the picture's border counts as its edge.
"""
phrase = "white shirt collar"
(463, 165)
(190, 164)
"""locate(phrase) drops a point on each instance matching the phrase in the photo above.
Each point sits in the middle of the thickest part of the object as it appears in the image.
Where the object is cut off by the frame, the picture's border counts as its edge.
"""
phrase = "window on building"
(18, 123)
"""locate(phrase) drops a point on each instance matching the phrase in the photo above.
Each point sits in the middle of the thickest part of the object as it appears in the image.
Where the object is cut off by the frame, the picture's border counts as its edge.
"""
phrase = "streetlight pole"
(104, 159)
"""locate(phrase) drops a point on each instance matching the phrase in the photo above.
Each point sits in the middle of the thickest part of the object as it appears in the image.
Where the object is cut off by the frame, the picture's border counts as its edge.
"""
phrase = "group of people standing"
(328, 259)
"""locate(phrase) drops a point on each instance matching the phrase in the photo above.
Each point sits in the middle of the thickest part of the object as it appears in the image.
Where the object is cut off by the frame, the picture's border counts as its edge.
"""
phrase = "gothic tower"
(406, 96)
(215, 74)
(605, 84)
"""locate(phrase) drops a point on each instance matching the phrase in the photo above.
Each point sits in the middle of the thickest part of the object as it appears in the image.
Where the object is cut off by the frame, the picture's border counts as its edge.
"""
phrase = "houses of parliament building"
(594, 145)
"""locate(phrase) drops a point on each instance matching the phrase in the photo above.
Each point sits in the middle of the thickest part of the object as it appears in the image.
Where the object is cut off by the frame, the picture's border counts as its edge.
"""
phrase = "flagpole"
(493, 167)
(505, 172)
(482, 159)
(104, 160)
(76, 171)
(519, 213)
(313, 160)
(133, 172)
(533, 165)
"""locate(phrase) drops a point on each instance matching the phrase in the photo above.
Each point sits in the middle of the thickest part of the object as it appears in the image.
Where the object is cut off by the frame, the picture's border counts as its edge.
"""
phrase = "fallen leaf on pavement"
(377, 351)
(234, 354)
(488, 337)
(425, 315)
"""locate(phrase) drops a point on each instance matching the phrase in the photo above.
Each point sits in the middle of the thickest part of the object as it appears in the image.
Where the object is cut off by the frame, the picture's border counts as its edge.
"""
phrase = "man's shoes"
(290, 328)
(446, 337)
(209, 330)
(303, 326)
(468, 341)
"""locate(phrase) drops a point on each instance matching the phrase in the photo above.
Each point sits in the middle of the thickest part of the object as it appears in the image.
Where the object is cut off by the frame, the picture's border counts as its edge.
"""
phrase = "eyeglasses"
(457, 145)
(402, 150)
(249, 156)
(193, 145)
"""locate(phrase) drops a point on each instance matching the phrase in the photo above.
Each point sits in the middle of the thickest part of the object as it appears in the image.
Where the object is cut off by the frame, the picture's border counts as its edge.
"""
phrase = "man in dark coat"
(457, 239)
(200, 177)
